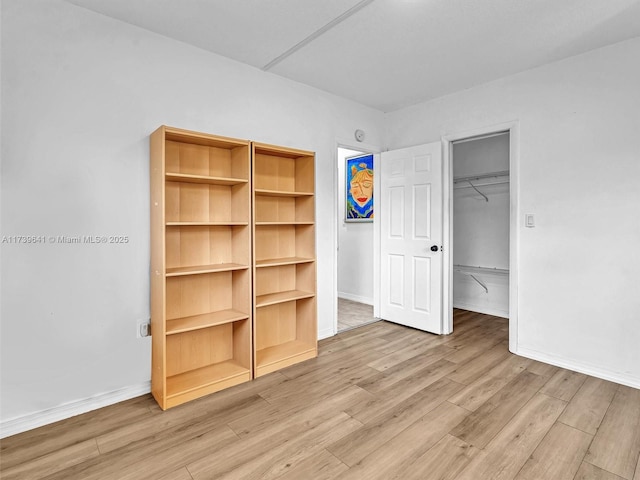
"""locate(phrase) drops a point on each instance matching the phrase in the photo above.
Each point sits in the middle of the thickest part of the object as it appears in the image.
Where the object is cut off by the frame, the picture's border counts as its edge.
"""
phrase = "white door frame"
(365, 148)
(513, 128)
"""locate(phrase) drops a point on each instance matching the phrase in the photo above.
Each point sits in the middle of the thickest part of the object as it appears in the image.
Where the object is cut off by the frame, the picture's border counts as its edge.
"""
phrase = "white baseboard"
(326, 333)
(487, 310)
(67, 410)
(592, 370)
(356, 298)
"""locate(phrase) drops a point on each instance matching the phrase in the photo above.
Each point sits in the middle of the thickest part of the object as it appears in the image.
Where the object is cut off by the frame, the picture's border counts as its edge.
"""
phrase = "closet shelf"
(504, 173)
(473, 271)
(468, 182)
(478, 269)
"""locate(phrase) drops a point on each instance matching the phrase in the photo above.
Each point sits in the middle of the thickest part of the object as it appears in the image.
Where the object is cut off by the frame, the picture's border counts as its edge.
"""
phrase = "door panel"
(410, 216)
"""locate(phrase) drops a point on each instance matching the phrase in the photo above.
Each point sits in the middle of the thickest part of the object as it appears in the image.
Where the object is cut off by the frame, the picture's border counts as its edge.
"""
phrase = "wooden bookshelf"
(284, 269)
(233, 262)
(201, 274)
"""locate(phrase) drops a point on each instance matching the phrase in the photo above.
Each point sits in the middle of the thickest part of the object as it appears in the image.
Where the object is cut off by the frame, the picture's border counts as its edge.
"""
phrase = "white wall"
(579, 151)
(81, 94)
(480, 227)
(355, 247)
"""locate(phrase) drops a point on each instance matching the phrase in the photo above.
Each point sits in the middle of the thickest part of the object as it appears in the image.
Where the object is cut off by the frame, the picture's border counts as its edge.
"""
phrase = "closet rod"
(457, 187)
(481, 176)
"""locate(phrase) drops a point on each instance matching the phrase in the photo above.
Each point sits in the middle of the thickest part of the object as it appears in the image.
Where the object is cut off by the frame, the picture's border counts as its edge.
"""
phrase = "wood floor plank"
(377, 383)
(477, 344)
(262, 440)
(542, 369)
(444, 461)
(400, 391)
(406, 447)
(482, 425)
(53, 462)
(275, 461)
(589, 405)
(337, 352)
(408, 340)
(470, 371)
(505, 455)
(259, 421)
(353, 314)
(564, 384)
(591, 472)
(30, 445)
(320, 466)
(136, 432)
(354, 447)
(151, 463)
(616, 445)
(558, 456)
(403, 354)
(180, 474)
(476, 393)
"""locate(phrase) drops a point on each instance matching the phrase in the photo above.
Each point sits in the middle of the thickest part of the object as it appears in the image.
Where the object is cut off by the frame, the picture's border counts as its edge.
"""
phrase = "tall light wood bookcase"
(284, 281)
(233, 262)
(201, 269)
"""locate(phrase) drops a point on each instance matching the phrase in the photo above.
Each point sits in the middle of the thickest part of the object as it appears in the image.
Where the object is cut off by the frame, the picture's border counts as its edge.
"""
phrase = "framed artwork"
(359, 188)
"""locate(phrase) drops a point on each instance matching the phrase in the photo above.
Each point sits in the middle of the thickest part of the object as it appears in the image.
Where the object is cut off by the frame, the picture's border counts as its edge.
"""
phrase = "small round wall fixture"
(359, 134)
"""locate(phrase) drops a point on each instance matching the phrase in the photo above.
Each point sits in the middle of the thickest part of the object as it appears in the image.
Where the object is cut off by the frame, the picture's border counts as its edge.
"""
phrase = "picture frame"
(359, 188)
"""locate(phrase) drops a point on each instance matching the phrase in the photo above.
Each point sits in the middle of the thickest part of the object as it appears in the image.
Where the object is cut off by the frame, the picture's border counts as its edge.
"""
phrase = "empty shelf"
(203, 377)
(187, 178)
(205, 224)
(274, 262)
(198, 269)
(196, 322)
(284, 223)
(282, 193)
(278, 353)
(281, 297)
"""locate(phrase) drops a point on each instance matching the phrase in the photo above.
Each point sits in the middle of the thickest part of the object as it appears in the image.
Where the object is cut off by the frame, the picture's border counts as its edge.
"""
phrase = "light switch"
(529, 220)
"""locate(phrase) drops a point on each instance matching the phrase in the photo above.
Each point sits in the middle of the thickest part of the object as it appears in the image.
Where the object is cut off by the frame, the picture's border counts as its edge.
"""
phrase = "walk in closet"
(233, 278)
(481, 224)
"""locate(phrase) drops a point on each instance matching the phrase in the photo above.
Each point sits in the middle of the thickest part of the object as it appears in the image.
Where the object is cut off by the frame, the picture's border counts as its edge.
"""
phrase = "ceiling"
(386, 54)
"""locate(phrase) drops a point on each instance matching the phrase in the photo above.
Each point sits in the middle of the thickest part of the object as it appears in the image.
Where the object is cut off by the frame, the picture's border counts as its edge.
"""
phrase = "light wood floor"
(380, 402)
(353, 314)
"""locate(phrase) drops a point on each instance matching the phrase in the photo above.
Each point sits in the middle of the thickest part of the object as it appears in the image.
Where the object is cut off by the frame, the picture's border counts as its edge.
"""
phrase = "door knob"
(434, 248)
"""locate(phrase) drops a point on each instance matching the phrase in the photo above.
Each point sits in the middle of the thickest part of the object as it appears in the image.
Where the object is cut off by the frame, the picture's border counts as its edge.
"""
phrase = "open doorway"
(355, 258)
(481, 227)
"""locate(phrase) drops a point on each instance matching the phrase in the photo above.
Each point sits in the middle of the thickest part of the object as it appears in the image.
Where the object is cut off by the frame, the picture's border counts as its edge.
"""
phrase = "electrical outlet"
(144, 328)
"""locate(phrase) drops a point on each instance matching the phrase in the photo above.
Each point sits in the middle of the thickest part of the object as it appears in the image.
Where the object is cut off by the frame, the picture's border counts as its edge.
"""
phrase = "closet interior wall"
(481, 225)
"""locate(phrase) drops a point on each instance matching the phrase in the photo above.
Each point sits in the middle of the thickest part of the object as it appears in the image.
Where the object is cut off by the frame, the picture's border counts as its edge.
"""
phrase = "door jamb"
(513, 128)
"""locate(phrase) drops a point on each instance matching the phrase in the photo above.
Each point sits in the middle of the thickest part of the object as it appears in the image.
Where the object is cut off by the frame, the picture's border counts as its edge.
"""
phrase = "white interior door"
(410, 221)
